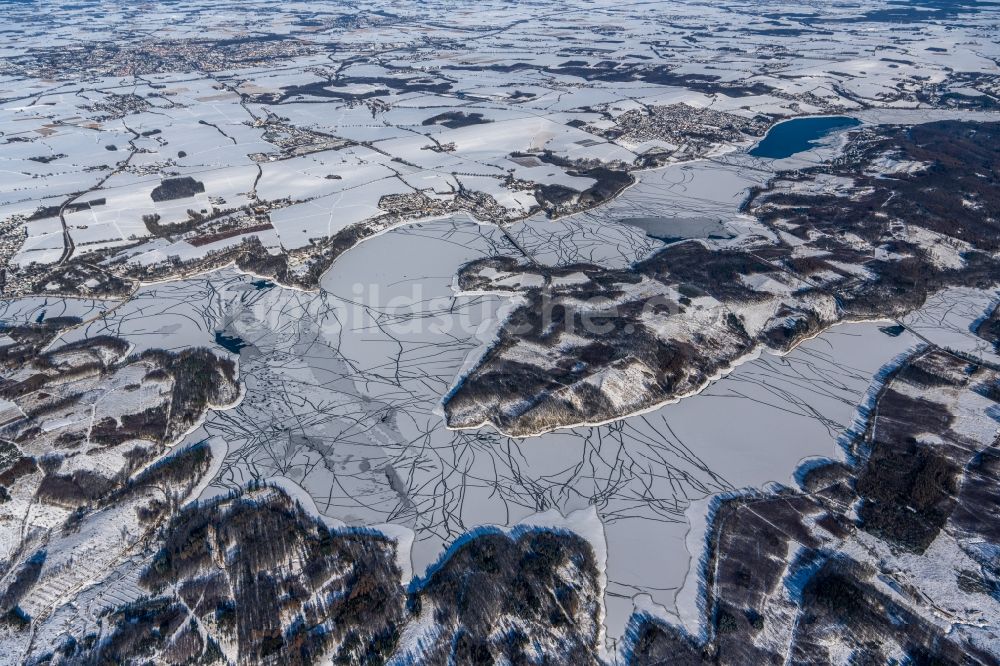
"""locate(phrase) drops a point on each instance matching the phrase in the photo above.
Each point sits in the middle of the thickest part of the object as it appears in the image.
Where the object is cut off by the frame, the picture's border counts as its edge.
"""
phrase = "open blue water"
(799, 134)
(232, 343)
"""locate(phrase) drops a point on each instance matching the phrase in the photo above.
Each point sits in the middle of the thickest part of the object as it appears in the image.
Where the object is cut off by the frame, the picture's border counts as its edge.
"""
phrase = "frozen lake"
(344, 387)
